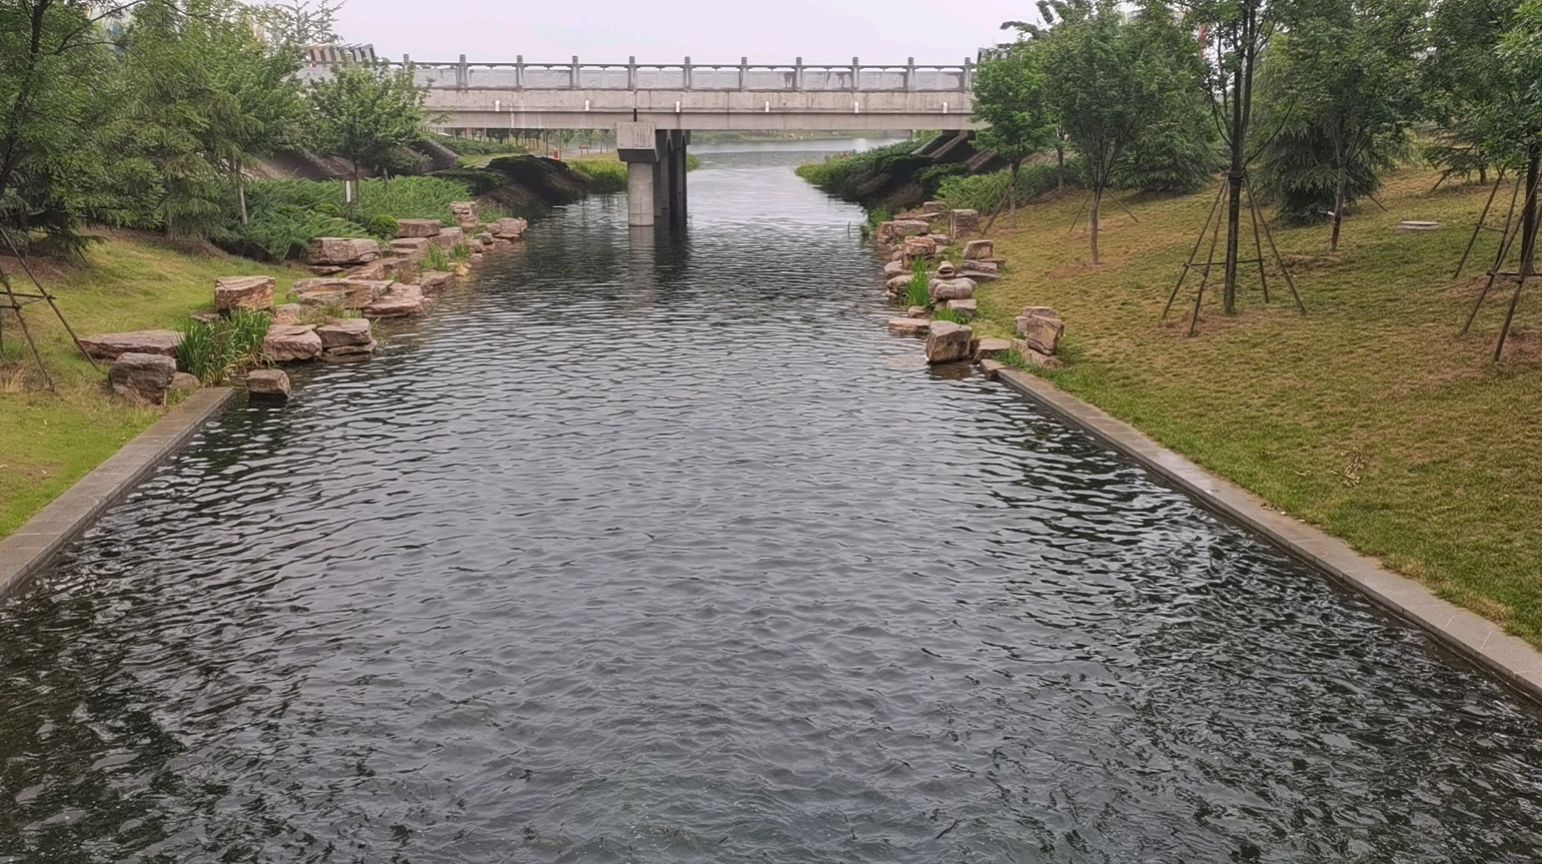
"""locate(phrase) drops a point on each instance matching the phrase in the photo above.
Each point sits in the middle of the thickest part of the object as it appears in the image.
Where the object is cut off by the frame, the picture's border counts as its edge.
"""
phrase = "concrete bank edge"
(1482, 642)
(34, 544)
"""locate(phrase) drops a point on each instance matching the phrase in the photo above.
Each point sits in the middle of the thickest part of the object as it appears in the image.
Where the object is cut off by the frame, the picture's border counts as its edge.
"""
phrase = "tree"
(1236, 33)
(1178, 150)
(53, 57)
(367, 114)
(1010, 96)
(1105, 86)
(1342, 90)
(1481, 78)
(296, 25)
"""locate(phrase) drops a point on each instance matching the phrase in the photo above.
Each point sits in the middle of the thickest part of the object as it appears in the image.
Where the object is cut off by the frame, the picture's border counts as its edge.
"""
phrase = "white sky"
(665, 31)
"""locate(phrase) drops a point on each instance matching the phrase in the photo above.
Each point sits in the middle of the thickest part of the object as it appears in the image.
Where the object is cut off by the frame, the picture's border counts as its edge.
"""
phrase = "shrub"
(382, 226)
(986, 192)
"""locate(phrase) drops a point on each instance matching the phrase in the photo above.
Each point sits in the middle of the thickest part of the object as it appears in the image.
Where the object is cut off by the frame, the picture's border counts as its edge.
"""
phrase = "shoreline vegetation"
(1368, 417)
(131, 280)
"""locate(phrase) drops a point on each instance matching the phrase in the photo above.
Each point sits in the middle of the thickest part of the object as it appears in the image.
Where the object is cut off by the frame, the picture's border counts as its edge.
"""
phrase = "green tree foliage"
(53, 62)
(204, 97)
(1473, 95)
(367, 114)
(1105, 80)
(1178, 149)
(1339, 91)
(1009, 94)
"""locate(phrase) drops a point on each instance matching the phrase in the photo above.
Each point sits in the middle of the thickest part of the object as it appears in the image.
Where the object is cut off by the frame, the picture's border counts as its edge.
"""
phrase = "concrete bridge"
(653, 107)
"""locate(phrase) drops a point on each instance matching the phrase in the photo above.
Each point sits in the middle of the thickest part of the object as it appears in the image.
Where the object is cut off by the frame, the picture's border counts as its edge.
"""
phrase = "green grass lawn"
(127, 282)
(1368, 417)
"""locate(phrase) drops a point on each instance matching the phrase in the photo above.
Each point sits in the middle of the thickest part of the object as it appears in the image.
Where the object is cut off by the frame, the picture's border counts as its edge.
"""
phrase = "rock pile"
(952, 287)
(354, 275)
(467, 215)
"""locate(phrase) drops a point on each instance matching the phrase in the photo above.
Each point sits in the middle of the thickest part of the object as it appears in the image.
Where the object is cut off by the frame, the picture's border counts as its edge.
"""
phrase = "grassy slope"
(48, 442)
(1368, 417)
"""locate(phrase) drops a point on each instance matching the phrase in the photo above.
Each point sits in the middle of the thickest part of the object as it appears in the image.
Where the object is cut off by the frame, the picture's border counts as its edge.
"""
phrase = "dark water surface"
(664, 551)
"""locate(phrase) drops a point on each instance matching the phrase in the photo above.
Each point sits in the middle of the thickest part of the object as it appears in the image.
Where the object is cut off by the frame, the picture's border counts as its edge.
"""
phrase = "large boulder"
(982, 271)
(268, 384)
(418, 227)
(291, 343)
(947, 342)
(142, 379)
(1042, 329)
(411, 248)
(111, 346)
(894, 231)
(919, 247)
(894, 268)
(509, 229)
(288, 313)
(387, 268)
(449, 238)
(342, 251)
(436, 281)
(402, 301)
(243, 294)
(991, 348)
(979, 250)
(962, 223)
(467, 214)
(952, 289)
(897, 285)
(342, 293)
(349, 337)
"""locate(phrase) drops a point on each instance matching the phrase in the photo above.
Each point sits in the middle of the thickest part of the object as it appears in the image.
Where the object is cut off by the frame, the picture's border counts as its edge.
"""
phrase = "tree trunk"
(1097, 206)
(1529, 214)
(1338, 204)
(241, 194)
(1012, 187)
(1234, 193)
(1059, 164)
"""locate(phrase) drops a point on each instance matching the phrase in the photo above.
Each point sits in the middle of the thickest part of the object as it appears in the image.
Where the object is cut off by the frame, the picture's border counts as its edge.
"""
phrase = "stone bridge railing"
(795, 77)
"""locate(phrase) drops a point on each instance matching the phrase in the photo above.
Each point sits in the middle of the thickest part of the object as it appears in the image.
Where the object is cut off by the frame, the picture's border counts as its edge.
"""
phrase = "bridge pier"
(655, 172)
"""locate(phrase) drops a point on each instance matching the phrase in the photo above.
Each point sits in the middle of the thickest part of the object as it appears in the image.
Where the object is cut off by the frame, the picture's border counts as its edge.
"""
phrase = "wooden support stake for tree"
(1199, 296)
(1258, 248)
(1247, 183)
(1483, 218)
(1195, 251)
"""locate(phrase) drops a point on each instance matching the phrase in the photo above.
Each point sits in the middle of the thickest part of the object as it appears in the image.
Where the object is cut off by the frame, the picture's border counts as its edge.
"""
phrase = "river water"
(662, 550)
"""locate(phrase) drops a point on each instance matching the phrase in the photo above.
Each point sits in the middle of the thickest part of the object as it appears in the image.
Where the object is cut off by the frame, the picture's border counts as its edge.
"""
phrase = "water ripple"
(662, 550)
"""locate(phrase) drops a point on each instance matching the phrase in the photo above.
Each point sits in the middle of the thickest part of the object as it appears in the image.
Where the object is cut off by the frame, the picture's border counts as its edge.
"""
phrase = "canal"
(662, 550)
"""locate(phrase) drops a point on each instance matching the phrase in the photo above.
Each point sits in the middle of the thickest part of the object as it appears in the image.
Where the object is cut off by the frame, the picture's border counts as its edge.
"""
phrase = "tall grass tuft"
(919, 291)
(213, 352)
(436, 259)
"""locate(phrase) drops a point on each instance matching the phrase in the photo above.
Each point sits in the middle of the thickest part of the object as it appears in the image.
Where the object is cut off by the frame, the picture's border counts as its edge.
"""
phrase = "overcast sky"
(665, 31)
